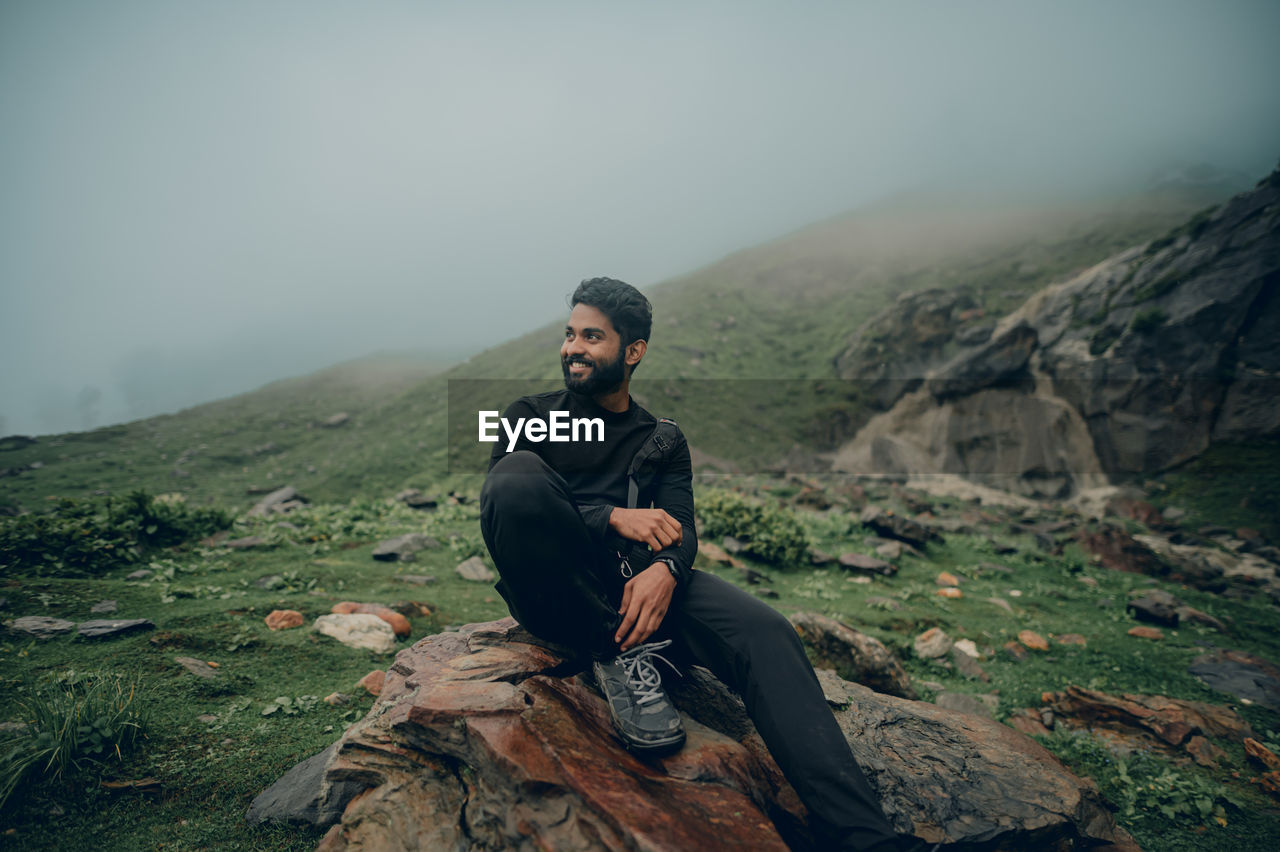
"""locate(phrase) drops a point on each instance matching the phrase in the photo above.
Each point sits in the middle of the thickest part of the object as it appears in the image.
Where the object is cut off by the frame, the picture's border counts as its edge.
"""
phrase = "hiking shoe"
(642, 713)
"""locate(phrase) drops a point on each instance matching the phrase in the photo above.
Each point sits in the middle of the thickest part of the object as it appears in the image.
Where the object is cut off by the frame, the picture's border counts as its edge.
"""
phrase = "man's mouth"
(577, 367)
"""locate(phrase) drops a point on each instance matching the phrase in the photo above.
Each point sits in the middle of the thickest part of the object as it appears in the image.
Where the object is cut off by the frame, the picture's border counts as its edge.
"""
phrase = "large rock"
(1146, 722)
(1133, 366)
(889, 525)
(856, 656)
(484, 739)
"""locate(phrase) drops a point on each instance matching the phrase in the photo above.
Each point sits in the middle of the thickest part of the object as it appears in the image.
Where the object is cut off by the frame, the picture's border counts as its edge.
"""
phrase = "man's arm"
(648, 594)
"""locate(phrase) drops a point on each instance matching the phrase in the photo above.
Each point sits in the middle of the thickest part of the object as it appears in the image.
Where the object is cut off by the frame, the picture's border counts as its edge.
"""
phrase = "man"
(581, 567)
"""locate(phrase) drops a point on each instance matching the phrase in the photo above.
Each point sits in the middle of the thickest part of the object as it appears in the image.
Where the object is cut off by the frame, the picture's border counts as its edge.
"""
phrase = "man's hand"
(645, 599)
(652, 526)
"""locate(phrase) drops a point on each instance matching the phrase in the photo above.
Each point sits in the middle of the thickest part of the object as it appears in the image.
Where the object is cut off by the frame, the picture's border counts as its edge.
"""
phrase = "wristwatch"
(671, 566)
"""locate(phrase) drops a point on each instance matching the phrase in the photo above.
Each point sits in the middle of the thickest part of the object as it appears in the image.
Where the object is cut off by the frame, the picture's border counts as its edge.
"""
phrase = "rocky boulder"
(856, 656)
(278, 502)
(485, 739)
(1133, 366)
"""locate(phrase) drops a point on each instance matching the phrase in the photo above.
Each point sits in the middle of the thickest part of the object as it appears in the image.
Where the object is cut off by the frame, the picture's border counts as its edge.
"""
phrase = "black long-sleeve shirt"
(596, 472)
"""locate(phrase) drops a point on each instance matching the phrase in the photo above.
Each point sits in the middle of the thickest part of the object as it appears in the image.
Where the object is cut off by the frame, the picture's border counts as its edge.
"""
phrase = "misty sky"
(200, 197)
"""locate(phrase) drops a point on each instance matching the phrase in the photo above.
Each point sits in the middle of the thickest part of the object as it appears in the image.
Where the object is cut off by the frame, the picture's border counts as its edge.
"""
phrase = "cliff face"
(1133, 366)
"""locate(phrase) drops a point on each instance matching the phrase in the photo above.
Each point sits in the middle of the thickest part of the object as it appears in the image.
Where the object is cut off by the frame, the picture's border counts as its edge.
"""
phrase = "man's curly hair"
(624, 305)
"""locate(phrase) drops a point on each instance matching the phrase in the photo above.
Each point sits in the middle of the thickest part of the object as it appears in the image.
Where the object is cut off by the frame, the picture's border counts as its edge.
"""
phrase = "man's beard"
(603, 378)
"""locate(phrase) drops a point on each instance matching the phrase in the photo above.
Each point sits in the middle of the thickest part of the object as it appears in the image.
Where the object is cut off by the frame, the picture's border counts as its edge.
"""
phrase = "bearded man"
(597, 555)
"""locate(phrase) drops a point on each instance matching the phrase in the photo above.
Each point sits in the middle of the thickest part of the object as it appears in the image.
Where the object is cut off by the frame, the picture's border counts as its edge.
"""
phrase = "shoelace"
(642, 675)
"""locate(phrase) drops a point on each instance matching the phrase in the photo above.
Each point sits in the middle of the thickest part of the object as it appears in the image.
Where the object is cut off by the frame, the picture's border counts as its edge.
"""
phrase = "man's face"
(591, 355)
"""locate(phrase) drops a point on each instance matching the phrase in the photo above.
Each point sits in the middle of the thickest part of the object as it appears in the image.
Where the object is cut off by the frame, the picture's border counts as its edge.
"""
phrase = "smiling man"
(594, 543)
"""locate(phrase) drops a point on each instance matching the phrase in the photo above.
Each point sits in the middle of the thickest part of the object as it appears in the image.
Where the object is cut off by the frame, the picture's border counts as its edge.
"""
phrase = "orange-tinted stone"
(372, 682)
(1033, 640)
(1146, 633)
(283, 619)
(950, 592)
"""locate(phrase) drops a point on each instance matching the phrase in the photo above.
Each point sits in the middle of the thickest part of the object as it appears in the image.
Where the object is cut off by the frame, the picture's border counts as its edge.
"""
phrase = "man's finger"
(637, 634)
(628, 622)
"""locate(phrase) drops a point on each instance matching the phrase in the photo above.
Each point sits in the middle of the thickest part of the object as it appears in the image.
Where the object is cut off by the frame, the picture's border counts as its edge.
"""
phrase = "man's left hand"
(644, 603)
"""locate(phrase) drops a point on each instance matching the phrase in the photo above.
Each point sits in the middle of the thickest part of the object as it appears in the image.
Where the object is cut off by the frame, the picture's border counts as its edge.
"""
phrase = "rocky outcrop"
(484, 739)
(854, 655)
(890, 355)
(1134, 366)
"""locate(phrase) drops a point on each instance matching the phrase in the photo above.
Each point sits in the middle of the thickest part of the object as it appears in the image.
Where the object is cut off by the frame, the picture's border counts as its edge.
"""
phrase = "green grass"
(1234, 485)
(208, 604)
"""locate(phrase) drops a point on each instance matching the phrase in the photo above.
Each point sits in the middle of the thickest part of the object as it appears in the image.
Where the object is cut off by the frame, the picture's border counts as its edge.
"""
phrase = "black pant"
(564, 588)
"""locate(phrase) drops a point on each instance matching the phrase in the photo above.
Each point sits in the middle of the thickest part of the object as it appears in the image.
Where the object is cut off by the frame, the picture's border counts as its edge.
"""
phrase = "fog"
(198, 198)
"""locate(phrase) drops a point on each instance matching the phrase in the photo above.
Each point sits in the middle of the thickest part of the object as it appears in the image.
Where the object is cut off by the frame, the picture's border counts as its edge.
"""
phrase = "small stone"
(102, 628)
(284, 619)
(967, 665)
(1002, 603)
(1015, 593)
(767, 593)
(403, 547)
(1204, 752)
(372, 682)
(962, 703)
(1028, 722)
(714, 552)
(884, 603)
(1174, 513)
(731, 544)
(946, 578)
(1156, 606)
(950, 592)
(1260, 754)
(1032, 640)
(995, 566)
(199, 668)
(475, 570)
(399, 624)
(416, 579)
(103, 606)
(1019, 653)
(249, 541)
(895, 550)
(816, 556)
(207, 718)
(1072, 639)
(1191, 615)
(932, 643)
(1146, 632)
(337, 699)
(358, 630)
(41, 626)
(1088, 581)
(269, 581)
(967, 646)
(862, 562)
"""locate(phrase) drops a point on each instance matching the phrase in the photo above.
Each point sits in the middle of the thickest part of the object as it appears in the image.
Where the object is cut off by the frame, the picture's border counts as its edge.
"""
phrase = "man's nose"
(574, 346)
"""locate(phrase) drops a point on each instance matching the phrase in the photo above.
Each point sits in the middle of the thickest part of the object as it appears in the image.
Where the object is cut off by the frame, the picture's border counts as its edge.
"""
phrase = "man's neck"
(617, 401)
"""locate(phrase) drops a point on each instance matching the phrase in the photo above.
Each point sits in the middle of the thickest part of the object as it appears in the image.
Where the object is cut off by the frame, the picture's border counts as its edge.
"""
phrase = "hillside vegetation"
(740, 341)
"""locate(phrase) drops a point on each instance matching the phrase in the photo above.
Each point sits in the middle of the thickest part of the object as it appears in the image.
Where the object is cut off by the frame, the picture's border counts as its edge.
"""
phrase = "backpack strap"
(655, 448)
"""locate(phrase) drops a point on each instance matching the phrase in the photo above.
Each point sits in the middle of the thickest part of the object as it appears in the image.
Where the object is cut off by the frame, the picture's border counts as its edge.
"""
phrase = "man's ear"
(635, 351)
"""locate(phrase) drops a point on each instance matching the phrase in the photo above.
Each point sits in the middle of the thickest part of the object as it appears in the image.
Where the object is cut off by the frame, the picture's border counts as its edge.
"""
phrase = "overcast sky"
(199, 197)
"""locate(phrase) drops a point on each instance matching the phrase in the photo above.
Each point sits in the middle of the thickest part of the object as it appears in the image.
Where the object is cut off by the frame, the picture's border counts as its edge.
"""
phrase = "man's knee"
(515, 483)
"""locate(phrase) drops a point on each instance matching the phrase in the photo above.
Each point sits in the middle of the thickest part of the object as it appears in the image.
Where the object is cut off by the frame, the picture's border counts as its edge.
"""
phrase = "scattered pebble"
(950, 592)
(967, 646)
(932, 643)
(103, 606)
(373, 681)
(1072, 639)
(946, 578)
(1146, 632)
(284, 619)
(1033, 640)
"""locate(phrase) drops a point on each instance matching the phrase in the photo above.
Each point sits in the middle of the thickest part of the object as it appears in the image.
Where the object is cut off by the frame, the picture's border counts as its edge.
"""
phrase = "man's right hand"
(654, 527)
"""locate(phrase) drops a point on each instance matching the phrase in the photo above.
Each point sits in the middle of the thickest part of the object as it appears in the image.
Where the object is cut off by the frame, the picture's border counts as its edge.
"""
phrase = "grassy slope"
(794, 303)
(210, 770)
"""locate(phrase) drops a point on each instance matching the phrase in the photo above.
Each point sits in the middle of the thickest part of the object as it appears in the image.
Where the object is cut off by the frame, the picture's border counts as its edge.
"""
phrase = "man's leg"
(756, 652)
(554, 579)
